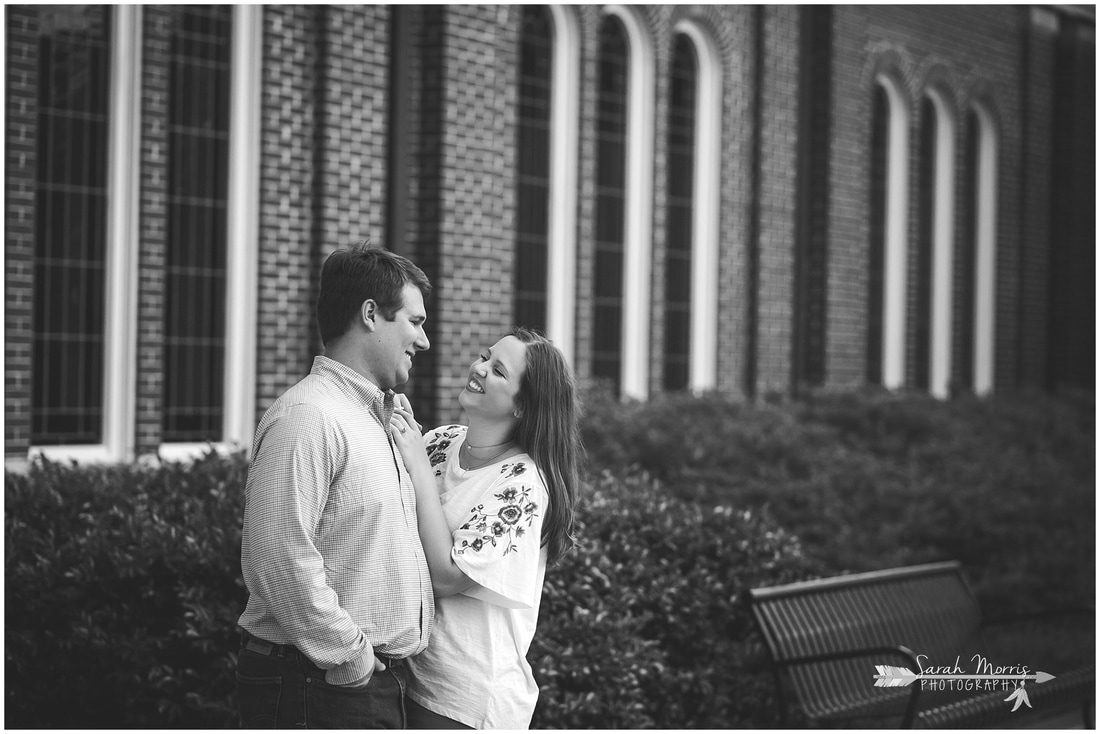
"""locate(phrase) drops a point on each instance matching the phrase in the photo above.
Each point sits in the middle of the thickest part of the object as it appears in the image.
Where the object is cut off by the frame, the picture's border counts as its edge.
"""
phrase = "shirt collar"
(356, 387)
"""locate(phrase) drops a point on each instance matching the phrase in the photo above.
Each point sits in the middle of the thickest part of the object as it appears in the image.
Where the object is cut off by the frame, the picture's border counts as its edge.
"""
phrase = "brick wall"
(977, 51)
(735, 33)
(286, 331)
(21, 107)
(777, 198)
(325, 182)
(473, 307)
(152, 218)
(1037, 103)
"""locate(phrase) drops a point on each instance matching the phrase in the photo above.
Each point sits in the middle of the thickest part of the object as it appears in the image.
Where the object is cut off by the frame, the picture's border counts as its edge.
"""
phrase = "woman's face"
(494, 379)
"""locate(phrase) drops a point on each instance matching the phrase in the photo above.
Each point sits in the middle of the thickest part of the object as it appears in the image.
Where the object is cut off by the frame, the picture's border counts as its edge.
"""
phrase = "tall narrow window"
(967, 254)
(889, 219)
(877, 225)
(681, 168)
(610, 201)
(70, 234)
(926, 190)
(936, 244)
(533, 175)
(985, 250)
(198, 132)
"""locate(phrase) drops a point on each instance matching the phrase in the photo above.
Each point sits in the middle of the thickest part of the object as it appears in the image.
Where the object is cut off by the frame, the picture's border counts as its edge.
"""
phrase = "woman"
(495, 503)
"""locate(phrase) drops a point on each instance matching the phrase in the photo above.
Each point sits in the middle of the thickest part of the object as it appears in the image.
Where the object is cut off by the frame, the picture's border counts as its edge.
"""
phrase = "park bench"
(827, 638)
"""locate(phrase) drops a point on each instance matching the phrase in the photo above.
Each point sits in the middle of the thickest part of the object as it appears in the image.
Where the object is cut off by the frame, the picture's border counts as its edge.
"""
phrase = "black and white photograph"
(521, 366)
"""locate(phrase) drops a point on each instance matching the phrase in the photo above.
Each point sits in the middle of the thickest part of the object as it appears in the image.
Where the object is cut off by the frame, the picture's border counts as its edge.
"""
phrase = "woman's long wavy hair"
(548, 431)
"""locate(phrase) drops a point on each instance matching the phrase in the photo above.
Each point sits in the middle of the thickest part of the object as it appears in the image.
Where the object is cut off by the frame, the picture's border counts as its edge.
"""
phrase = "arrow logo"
(890, 676)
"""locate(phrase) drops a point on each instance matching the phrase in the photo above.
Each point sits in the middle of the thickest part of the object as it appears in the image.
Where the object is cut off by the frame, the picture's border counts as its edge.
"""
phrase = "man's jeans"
(284, 690)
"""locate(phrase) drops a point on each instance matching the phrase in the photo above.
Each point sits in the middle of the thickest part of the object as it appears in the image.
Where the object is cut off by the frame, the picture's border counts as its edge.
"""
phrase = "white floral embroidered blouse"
(475, 668)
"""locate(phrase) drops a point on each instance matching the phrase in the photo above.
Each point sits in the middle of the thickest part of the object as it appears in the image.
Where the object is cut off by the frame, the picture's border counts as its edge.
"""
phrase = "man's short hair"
(352, 275)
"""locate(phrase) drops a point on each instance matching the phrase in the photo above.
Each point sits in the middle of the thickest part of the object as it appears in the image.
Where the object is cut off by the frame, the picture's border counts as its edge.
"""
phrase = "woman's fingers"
(407, 415)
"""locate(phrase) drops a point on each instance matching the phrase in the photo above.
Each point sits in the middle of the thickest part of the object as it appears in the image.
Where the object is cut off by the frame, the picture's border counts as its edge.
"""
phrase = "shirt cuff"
(351, 671)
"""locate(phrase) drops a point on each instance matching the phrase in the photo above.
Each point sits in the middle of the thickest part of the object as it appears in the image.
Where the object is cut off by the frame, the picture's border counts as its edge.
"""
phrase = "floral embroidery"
(437, 449)
(510, 523)
(516, 469)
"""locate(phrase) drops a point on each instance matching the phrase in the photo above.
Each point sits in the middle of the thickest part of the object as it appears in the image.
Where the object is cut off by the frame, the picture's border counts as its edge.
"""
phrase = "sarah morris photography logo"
(985, 677)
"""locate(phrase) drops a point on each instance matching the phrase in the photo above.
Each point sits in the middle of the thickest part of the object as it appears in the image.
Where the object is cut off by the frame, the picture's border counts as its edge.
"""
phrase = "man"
(339, 592)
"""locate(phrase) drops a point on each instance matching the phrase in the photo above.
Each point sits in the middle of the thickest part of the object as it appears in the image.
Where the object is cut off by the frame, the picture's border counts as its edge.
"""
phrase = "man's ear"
(367, 312)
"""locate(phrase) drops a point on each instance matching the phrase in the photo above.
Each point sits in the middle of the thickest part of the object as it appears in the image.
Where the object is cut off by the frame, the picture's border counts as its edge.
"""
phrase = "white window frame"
(564, 136)
(703, 360)
(123, 177)
(895, 260)
(638, 224)
(985, 256)
(238, 422)
(943, 246)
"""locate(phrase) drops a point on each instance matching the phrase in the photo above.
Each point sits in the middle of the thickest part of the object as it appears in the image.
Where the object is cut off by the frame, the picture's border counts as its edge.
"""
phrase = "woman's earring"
(515, 413)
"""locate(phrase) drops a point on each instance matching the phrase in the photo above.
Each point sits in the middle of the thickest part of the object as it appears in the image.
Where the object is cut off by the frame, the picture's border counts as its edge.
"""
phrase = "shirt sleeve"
(499, 545)
(288, 485)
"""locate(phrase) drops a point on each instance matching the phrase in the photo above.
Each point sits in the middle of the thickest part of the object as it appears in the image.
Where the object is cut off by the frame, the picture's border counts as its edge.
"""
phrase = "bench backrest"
(928, 609)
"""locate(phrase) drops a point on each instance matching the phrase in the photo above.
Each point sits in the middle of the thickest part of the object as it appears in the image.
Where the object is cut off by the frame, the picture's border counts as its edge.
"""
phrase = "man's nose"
(422, 342)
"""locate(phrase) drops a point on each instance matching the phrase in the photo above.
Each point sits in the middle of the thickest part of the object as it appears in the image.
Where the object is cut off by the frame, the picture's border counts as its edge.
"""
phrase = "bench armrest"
(894, 652)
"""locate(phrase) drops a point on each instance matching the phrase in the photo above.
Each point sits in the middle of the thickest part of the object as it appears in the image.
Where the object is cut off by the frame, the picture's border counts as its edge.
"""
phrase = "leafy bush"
(875, 480)
(123, 583)
(645, 626)
(123, 589)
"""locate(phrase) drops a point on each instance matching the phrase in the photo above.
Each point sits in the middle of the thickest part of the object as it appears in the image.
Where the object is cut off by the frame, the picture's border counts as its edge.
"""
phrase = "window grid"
(70, 233)
(681, 170)
(610, 202)
(533, 175)
(198, 133)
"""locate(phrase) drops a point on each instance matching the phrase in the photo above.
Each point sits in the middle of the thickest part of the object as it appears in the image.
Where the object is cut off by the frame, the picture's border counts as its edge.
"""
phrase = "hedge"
(123, 583)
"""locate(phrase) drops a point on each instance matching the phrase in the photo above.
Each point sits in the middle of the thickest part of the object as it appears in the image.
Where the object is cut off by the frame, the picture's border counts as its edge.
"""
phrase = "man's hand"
(378, 667)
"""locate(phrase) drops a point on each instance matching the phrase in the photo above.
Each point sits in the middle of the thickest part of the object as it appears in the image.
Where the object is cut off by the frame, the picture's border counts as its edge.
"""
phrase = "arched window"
(610, 210)
(198, 176)
(71, 201)
(546, 173)
(691, 285)
(212, 230)
(562, 228)
(533, 167)
(888, 242)
(934, 245)
(681, 204)
(981, 221)
(624, 142)
(85, 202)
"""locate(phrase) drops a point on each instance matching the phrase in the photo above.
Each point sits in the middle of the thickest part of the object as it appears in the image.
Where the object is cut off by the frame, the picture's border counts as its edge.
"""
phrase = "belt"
(249, 641)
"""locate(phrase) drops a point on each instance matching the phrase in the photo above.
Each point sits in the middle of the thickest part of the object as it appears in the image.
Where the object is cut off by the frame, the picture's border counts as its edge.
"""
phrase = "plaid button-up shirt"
(330, 551)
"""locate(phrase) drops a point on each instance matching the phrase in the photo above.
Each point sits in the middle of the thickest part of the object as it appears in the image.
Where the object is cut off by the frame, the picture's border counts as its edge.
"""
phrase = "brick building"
(748, 199)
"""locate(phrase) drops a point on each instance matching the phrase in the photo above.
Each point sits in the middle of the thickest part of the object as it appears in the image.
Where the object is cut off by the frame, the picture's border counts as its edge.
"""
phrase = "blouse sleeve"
(499, 544)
